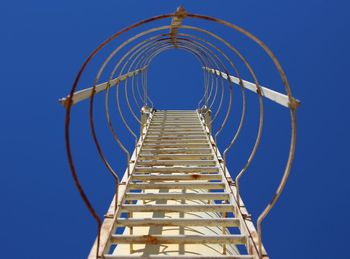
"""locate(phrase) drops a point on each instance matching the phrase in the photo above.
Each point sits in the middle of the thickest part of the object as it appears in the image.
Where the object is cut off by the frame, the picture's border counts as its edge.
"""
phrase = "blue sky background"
(43, 44)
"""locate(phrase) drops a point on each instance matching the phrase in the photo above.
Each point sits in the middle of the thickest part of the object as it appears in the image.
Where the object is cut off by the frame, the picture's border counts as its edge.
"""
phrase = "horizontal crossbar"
(178, 239)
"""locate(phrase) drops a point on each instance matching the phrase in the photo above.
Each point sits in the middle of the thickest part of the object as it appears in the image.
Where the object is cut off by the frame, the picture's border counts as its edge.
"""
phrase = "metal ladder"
(177, 198)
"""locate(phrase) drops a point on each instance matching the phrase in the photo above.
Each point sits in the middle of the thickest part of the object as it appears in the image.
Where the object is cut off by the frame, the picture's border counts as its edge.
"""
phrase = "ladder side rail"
(241, 212)
(109, 223)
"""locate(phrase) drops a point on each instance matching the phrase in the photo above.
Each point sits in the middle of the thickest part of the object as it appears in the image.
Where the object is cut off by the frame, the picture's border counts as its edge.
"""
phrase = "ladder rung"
(177, 208)
(175, 162)
(180, 135)
(175, 119)
(175, 129)
(178, 122)
(176, 177)
(179, 256)
(178, 239)
(175, 132)
(175, 111)
(168, 115)
(187, 185)
(181, 138)
(175, 156)
(176, 145)
(176, 116)
(182, 111)
(178, 126)
(175, 172)
(176, 150)
(213, 222)
(204, 169)
(157, 137)
(177, 196)
(175, 141)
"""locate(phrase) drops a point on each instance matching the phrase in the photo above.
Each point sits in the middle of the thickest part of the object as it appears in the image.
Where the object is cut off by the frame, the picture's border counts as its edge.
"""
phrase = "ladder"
(177, 198)
(176, 201)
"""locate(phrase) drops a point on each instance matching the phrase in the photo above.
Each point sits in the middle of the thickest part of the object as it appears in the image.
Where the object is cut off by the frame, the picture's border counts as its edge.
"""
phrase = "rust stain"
(151, 239)
(195, 176)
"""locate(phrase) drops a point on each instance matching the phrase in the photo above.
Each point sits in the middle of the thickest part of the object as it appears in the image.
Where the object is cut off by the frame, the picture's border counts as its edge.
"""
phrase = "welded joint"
(176, 22)
(230, 182)
(247, 217)
(206, 113)
(293, 103)
(145, 115)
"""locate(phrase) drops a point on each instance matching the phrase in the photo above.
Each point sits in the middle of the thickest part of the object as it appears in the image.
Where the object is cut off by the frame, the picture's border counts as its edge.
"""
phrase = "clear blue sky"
(43, 44)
